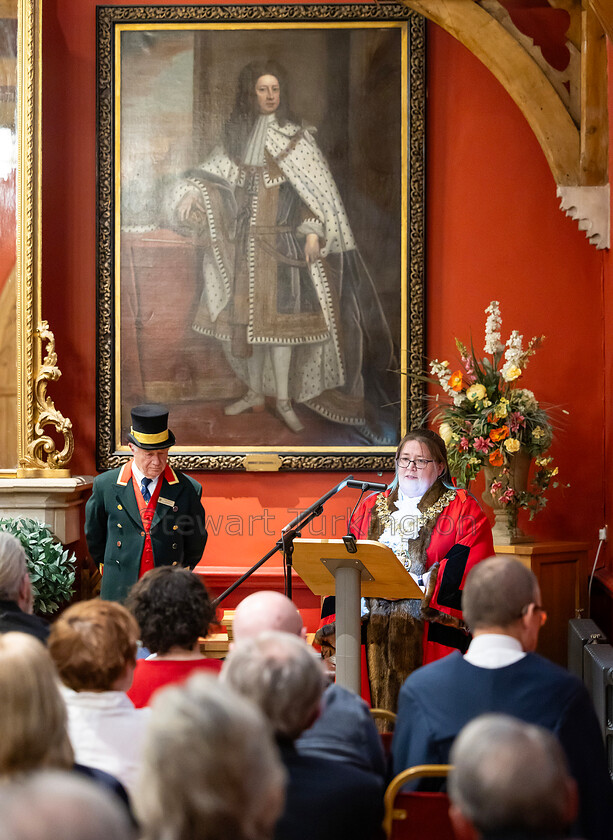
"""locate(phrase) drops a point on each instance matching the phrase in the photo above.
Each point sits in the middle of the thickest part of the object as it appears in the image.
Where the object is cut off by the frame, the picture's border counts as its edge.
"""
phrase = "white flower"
(513, 354)
(492, 328)
(441, 371)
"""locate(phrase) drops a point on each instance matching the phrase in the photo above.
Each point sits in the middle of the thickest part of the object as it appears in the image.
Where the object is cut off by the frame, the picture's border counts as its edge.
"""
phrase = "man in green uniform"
(144, 514)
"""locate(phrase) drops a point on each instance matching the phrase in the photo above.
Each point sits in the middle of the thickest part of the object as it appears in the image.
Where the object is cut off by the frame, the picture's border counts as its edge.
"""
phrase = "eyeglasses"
(420, 463)
(537, 609)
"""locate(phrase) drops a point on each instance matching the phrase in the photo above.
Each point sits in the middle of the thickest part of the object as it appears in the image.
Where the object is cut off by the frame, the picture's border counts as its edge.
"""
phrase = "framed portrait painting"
(260, 231)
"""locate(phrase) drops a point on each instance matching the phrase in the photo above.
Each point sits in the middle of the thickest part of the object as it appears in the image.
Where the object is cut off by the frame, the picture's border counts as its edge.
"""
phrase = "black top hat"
(149, 428)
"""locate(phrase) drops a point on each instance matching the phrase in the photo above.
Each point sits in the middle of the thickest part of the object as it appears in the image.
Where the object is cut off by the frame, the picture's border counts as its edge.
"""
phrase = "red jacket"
(463, 527)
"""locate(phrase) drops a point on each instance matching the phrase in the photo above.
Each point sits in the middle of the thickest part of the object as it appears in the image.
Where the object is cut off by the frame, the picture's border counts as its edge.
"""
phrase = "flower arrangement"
(489, 418)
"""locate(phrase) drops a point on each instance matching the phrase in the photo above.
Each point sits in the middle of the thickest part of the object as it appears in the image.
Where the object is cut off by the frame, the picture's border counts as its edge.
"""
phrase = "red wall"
(494, 230)
(607, 316)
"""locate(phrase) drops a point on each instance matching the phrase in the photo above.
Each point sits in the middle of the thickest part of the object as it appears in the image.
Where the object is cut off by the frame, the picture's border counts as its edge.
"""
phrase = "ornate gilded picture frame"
(29, 448)
(261, 231)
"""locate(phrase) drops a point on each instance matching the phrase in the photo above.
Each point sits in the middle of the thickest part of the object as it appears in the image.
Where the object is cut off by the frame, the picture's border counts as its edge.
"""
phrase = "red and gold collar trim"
(125, 474)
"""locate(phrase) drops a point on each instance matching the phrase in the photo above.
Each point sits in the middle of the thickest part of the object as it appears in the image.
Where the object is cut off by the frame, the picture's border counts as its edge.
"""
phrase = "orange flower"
(499, 434)
(456, 381)
(495, 458)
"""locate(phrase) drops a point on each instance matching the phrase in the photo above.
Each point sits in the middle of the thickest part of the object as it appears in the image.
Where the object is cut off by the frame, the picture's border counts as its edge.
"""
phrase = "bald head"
(264, 611)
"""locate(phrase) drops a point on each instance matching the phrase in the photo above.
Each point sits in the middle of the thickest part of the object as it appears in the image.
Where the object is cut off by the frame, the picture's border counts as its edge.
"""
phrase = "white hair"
(60, 805)
(282, 675)
(13, 566)
(510, 776)
(210, 768)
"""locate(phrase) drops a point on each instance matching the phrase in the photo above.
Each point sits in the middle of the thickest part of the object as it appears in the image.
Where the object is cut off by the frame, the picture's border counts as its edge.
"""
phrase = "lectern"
(374, 571)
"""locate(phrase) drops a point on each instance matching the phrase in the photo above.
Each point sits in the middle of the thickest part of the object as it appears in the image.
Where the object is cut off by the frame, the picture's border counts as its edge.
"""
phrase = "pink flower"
(464, 444)
(507, 497)
(516, 419)
(469, 366)
(482, 445)
(495, 486)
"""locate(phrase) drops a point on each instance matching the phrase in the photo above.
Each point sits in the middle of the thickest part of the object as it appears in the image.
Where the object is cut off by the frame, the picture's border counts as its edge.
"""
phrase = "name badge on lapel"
(163, 501)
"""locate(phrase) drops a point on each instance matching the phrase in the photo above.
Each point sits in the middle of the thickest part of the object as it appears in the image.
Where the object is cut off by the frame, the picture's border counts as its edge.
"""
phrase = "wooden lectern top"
(383, 575)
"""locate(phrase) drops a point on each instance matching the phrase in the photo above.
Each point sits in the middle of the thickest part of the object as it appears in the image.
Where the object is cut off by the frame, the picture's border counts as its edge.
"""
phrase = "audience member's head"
(501, 595)
(282, 675)
(509, 779)
(93, 644)
(172, 608)
(51, 805)
(33, 731)
(263, 611)
(211, 769)
(14, 576)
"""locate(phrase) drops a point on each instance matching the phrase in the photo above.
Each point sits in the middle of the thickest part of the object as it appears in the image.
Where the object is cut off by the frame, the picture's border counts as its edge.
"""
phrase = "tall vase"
(505, 530)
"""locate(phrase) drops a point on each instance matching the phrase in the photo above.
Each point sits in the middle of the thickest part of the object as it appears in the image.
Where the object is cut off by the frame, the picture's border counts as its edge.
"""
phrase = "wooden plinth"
(562, 572)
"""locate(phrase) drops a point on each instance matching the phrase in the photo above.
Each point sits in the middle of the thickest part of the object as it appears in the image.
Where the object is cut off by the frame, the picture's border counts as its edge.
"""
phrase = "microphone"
(366, 485)
(349, 539)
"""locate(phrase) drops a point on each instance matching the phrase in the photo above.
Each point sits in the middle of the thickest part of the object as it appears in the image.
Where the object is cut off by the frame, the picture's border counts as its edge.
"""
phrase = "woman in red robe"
(439, 533)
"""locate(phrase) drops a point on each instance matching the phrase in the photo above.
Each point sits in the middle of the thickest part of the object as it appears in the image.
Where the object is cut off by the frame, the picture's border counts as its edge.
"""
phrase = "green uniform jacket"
(115, 534)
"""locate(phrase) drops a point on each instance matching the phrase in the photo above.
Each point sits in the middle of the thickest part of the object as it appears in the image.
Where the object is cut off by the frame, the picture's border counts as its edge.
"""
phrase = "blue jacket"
(436, 701)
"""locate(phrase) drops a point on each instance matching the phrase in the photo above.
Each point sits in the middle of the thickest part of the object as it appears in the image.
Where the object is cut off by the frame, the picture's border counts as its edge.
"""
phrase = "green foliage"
(51, 566)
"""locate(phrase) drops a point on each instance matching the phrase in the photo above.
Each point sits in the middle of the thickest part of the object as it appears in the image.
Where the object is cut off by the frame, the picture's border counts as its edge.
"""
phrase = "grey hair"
(210, 767)
(56, 805)
(282, 675)
(496, 591)
(510, 776)
(13, 566)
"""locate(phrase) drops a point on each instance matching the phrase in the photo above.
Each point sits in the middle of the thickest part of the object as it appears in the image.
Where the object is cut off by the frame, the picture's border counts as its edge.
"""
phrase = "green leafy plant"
(51, 566)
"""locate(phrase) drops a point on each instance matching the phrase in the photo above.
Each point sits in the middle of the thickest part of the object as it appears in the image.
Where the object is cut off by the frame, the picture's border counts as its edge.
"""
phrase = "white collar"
(494, 650)
(407, 504)
(95, 699)
(256, 144)
(138, 475)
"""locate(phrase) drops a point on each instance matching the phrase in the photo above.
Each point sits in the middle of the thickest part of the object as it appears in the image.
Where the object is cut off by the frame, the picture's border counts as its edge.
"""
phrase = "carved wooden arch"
(572, 132)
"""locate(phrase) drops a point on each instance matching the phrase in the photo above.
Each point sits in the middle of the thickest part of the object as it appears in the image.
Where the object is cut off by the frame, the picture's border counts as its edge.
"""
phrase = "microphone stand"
(286, 543)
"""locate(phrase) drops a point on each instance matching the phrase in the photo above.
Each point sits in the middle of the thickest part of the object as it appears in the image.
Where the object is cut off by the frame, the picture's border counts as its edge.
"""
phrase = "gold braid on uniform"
(433, 512)
(395, 628)
(413, 557)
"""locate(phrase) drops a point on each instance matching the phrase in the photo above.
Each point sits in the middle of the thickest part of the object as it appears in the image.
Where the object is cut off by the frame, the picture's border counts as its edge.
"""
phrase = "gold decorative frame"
(111, 21)
(38, 455)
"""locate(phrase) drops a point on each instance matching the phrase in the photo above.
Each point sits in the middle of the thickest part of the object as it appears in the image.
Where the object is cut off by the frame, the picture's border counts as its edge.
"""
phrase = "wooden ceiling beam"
(576, 149)
(603, 9)
(594, 104)
(519, 74)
